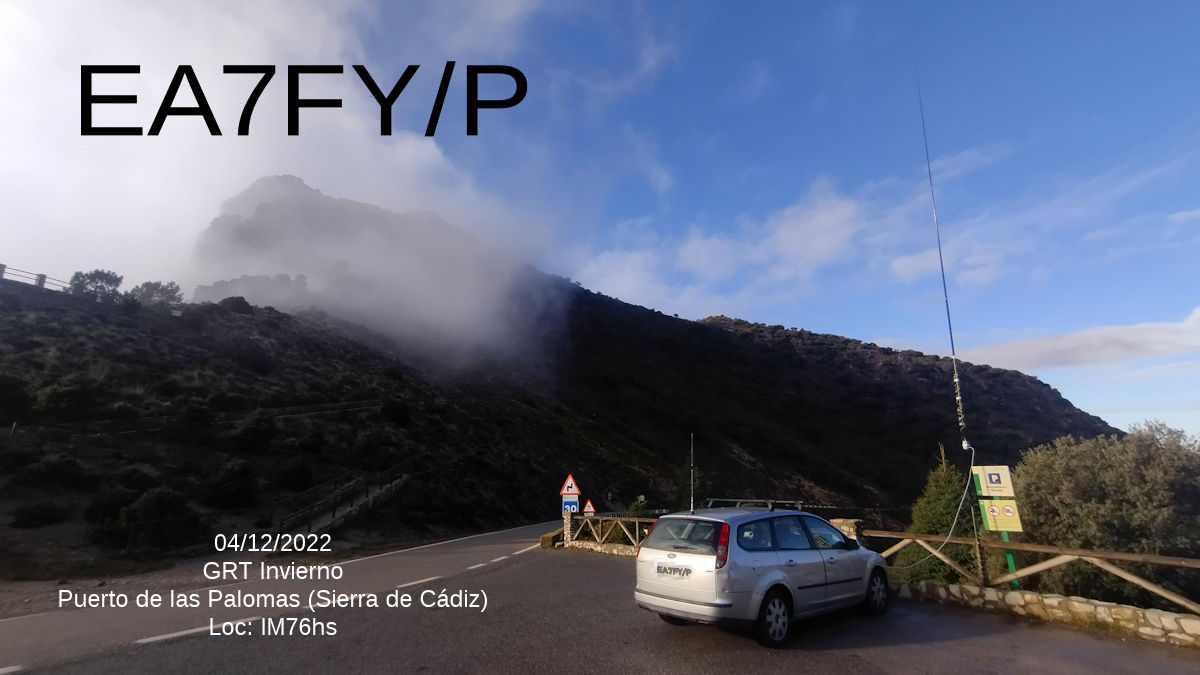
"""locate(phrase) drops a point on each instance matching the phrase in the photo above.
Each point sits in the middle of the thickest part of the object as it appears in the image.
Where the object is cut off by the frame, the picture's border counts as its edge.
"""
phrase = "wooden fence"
(1062, 555)
(622, 530)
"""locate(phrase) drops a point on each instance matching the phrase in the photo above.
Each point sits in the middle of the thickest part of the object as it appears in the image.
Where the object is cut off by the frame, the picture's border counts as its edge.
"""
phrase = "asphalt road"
(556, 611)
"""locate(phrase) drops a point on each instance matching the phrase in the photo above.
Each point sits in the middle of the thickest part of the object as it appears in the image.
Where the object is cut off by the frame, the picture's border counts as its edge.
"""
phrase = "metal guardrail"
(1063, 555)
(34, 279)
(343, 494)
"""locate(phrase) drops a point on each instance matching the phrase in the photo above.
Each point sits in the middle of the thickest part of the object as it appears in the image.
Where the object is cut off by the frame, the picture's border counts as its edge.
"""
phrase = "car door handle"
(790, 563)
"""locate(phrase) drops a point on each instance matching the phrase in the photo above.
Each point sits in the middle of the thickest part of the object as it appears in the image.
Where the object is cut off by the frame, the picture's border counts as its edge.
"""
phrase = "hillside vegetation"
(775, 411)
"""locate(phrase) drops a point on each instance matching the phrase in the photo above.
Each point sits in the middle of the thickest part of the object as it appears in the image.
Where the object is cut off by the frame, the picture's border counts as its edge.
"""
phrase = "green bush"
(934, 513)
(106, 506)
(161, 518)
(1139, 493)
(194, 425)
(234, 486)
(254, 433)
(157, 294)
(193, 318)
(55, 469)
(237, 304)
(68, 397)
(248, 354)
(99, 285)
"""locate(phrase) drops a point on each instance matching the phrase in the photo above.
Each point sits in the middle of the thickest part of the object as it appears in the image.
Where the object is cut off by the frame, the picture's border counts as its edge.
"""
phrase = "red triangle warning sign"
(569, 487)
(588, 509)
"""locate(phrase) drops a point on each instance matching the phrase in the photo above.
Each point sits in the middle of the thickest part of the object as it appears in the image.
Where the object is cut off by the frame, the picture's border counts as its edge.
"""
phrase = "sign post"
(991, 484)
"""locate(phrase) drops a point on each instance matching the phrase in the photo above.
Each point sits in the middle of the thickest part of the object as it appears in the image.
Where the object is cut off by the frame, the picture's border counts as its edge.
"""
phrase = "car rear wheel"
(878, 593)
(673, 620)
(774, 619)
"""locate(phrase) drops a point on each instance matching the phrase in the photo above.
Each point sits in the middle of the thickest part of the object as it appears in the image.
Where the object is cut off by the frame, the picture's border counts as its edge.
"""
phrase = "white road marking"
(527, 548)
(168, 636)
(14, 618)
(476, 566)
(418, 581)
(439, 543)
(10, 669)
(499, 559)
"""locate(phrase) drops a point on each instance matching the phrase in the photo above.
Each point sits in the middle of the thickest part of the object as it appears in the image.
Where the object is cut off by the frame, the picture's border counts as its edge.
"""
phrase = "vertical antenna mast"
(692, 476)
(962, 421)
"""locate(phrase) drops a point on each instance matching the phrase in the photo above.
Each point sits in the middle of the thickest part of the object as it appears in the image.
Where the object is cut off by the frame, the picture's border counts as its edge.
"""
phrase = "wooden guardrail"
(1063, 555)
(622, 530)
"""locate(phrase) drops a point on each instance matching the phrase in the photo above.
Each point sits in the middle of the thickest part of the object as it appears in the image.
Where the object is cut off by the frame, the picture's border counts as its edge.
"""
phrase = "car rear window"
(684, 534)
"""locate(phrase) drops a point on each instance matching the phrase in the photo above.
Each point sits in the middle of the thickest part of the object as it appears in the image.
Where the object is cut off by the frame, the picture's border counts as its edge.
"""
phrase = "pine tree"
(934, 513)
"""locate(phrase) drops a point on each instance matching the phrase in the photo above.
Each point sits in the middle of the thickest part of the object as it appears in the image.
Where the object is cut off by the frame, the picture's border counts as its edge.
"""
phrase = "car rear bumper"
(702, 612)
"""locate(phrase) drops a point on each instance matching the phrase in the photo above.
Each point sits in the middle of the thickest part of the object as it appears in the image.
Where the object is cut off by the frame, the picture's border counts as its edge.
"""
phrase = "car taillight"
(639, 546)
(723, 546)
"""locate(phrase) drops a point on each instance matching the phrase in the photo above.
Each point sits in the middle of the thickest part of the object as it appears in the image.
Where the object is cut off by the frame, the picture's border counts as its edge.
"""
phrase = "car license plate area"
(669, 570)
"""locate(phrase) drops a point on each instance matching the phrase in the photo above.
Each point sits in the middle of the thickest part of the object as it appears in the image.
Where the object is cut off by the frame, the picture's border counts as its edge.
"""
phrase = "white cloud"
(1184, 216)
(469, 27)
(968, 161)
(998, 239)
(650, 53)
(1171, 369)
(812, 232)
(136, 204)
(769, 260)
(914, 266)
(712, 257)
(1101, 344)
(646, 159)
(777, 258)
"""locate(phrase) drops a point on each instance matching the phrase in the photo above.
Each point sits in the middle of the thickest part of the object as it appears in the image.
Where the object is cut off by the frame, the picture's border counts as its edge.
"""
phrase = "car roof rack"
(770, 504)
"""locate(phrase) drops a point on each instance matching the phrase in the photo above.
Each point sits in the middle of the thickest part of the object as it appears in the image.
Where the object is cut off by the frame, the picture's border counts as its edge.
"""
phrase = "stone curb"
(1155, 625)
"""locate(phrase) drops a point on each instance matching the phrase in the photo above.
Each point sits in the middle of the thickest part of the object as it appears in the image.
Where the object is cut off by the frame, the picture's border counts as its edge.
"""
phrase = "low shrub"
(237, 304)
(234, 486)
(161, 518)
(55, 469)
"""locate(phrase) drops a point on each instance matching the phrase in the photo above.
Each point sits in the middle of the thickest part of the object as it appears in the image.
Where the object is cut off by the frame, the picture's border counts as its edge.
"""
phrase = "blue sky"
(762, 161)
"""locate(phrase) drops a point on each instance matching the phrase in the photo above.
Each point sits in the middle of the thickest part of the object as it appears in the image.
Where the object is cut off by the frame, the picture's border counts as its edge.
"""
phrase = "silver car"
(754, 565)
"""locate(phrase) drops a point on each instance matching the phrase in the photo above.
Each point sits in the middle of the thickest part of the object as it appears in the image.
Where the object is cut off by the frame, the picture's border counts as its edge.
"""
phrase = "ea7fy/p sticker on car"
(668, 570)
